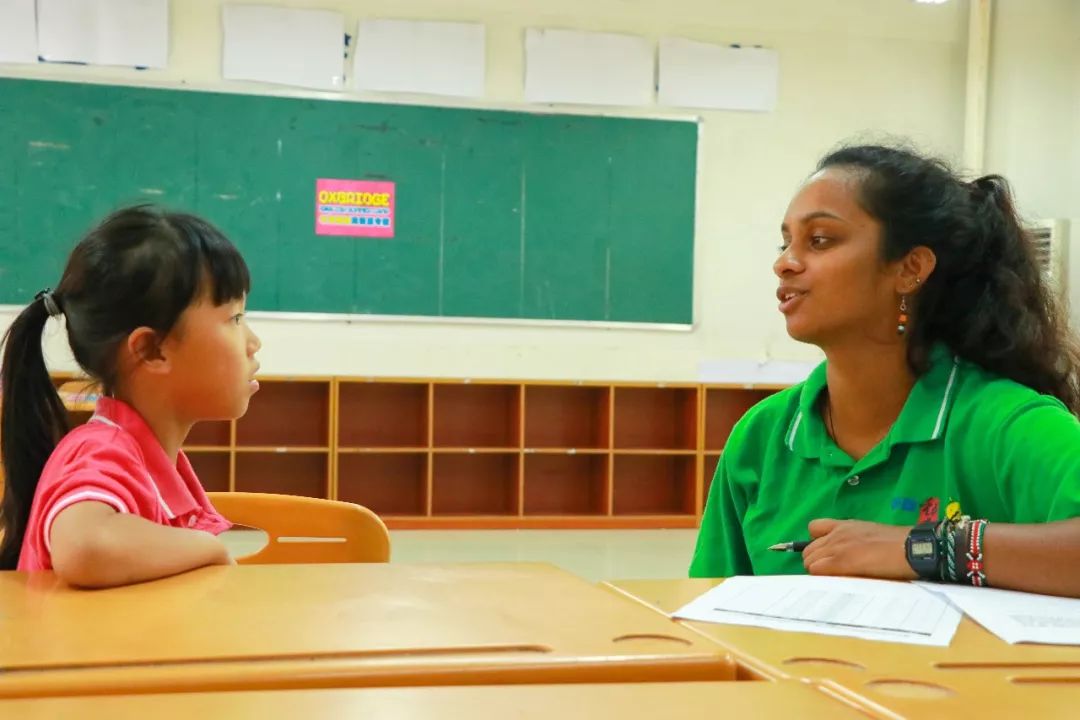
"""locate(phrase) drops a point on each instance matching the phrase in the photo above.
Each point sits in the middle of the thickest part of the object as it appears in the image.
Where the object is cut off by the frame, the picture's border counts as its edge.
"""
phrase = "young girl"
(154, 307)
(939, 439)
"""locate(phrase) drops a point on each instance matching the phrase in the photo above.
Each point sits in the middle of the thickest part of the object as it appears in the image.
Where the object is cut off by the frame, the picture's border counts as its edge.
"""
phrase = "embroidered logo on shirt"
(905, 504)
(929, 510)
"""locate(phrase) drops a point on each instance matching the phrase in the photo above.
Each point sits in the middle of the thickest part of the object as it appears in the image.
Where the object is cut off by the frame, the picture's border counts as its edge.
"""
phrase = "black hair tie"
(46, 296)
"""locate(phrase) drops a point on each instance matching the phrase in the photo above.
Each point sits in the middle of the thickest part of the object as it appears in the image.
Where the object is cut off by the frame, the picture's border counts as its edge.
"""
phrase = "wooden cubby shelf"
(567, 417)
(567, 484)
(655, 485)
(286, 473)
(723, 408)
(213, 470)
(390, 484)
(211, 434)
(476, 415)
(375, 416)
(288, 414)
(475, 454)
(479, 484)
(656, 418)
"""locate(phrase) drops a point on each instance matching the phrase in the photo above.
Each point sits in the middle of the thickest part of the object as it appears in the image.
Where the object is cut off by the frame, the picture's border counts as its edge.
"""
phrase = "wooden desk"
(978, 673)
(671, 701)
(296, 626)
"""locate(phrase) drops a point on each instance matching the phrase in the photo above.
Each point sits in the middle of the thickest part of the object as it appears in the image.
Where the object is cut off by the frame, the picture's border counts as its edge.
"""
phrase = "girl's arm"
(95, 546)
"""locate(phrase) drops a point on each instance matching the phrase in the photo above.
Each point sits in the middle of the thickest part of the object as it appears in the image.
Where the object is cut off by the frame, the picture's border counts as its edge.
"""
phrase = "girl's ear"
(143, 348)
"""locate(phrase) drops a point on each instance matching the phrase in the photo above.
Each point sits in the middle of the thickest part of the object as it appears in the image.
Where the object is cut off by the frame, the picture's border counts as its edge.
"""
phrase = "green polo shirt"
(1000, 449)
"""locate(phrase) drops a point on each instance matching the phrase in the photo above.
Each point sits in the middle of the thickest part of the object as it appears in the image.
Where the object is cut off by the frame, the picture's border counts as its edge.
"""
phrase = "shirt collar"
(923, 418)
(173, 483)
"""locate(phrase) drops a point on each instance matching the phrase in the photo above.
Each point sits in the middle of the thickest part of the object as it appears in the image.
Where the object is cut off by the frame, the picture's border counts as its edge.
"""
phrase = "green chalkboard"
(498, 214)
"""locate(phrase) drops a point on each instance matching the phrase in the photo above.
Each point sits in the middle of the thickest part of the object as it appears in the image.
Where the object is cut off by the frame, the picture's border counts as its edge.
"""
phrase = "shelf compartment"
(212, 469)
(375, 414)
(566, 484)
(211, 433)
(389, 484)
(287, 413)
(284, 473)
(559, 416)
(475, 416)
(655, 418)
(654, 484)
(475, 484)
(282, 450)
(724, 407)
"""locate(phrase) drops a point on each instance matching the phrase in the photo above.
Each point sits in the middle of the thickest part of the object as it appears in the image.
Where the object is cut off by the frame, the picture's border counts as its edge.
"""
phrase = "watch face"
(922, 548)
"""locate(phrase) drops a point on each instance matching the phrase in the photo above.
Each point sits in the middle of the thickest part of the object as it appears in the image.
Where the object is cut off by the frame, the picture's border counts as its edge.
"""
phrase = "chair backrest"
(306, 530)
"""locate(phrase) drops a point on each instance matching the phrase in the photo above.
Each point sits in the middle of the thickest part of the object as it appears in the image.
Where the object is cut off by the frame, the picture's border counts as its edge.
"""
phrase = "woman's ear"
(914, 269)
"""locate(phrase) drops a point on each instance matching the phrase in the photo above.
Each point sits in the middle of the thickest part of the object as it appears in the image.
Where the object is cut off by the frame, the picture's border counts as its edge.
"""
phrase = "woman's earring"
(901, 327)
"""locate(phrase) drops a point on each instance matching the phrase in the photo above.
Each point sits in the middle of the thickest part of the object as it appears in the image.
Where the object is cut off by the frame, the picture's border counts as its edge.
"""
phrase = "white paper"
(752, 372)
(18, 32)
(700, 75)
(133, 33)
(848, 607)
(1016, 617)
(437, 58)
(568, 66)
(67, 30)
(301, 48)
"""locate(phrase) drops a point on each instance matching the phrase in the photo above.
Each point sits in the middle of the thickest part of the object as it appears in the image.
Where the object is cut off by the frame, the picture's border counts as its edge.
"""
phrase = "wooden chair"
(306, 530)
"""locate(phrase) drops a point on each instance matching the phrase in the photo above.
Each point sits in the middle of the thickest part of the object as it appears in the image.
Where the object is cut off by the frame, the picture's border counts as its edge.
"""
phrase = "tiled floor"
(592, 554)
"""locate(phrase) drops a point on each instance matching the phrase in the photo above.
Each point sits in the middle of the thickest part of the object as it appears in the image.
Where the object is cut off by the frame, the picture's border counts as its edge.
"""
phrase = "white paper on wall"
(701, 75)
(437, 58)
(133, 33)
(285, 46)
(18, 32)
(569, 66)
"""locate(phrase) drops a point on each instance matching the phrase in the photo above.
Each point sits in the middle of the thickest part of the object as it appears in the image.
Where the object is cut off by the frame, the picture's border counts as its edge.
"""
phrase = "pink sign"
(362, 208)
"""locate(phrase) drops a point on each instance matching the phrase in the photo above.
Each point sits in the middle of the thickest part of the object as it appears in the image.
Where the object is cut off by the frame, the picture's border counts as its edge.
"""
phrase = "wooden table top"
(977, 667)
(617, 701)
(248, 627)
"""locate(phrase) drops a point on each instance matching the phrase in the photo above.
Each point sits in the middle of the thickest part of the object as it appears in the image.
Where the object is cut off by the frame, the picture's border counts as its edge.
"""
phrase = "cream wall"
(1033, 127)
(848, 68)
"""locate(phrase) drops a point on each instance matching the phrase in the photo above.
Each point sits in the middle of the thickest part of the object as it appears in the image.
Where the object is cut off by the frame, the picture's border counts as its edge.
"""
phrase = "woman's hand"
(857, 548)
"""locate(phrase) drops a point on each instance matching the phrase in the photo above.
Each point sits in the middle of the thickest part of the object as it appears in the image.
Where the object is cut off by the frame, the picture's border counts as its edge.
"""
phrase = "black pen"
(797, 546)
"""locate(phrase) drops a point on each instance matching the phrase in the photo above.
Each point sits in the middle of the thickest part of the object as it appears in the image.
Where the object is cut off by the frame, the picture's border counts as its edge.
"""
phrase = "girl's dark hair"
(141, 267)
(987, 299)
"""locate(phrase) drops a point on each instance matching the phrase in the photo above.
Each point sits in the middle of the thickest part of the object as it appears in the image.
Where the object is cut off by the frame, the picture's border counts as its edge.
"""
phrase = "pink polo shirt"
(115, 459)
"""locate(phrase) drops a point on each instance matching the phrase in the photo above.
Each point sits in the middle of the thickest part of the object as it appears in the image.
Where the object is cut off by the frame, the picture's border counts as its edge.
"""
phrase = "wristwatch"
(922, 552)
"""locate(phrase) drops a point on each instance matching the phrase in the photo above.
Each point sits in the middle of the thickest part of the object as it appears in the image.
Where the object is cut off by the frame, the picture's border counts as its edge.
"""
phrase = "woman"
(939, 439)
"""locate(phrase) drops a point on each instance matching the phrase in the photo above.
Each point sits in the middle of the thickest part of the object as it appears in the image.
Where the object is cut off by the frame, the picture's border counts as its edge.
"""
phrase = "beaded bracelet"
(950, 533)
(975, 565)
(947, 542)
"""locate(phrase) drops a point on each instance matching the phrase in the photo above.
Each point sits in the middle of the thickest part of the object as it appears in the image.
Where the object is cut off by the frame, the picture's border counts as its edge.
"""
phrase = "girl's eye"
(237, 318)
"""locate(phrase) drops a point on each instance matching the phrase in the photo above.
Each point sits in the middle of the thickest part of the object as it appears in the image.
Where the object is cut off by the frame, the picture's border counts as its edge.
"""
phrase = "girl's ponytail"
(32, 421)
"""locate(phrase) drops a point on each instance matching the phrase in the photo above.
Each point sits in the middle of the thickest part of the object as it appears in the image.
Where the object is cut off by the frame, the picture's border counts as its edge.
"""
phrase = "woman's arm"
(94, 546)
(1033, 558)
